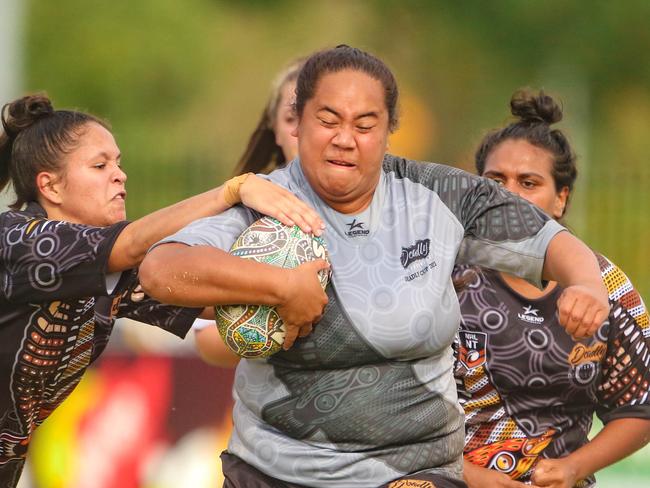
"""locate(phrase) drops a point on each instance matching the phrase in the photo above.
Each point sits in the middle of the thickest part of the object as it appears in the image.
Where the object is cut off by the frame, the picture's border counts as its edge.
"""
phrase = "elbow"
(151, 276)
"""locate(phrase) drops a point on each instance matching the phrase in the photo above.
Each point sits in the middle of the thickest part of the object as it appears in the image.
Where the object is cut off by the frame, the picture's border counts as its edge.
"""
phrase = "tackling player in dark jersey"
(68, 261)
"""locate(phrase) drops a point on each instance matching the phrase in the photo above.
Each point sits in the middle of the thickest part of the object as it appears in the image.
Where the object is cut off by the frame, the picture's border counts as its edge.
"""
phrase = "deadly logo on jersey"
(417, 251)
(472, 348)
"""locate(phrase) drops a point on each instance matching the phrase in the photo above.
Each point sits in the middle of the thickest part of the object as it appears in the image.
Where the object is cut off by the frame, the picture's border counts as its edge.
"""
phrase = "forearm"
(212, 349)
(137, 237)
(570, 262)
(471, 473)
(201, 276)
(478, 477)
(617, 440)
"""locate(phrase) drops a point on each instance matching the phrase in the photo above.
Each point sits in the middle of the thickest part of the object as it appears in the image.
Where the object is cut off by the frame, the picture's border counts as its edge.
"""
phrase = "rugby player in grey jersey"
(368, 399)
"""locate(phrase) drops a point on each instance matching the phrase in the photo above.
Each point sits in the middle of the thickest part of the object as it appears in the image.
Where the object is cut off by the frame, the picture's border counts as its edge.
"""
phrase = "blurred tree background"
(183, 84)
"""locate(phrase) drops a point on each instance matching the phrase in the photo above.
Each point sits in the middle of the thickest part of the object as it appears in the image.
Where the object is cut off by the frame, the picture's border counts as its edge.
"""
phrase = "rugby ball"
(257, 331)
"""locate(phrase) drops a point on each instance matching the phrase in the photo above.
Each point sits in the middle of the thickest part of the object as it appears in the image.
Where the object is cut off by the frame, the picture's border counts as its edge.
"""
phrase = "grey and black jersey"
(369, 396)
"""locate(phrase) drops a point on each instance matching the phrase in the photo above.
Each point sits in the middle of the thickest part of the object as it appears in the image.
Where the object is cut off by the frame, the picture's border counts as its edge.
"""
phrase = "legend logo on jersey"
(356, 229)
(530, 315)
(472, 348)
(417, 251)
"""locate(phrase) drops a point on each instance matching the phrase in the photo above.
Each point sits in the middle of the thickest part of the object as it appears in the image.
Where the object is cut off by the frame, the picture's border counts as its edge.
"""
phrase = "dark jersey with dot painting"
(56, 317)
(527, 388)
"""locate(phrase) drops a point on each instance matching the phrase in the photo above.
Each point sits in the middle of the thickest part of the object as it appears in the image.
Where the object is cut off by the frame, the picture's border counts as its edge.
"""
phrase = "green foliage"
(184, 82)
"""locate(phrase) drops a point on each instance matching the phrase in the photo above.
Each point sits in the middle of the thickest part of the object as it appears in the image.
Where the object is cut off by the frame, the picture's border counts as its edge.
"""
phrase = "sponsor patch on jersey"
(472, 348)
(356, 229)
(530, 315)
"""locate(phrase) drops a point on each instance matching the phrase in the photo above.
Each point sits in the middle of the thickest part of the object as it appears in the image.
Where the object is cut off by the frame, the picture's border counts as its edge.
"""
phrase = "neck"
(50, 209)
(351, 208)
(54, 212)
(526, 289)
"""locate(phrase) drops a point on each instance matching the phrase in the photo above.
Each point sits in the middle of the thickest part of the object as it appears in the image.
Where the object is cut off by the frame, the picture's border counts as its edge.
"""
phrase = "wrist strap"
(231, 189)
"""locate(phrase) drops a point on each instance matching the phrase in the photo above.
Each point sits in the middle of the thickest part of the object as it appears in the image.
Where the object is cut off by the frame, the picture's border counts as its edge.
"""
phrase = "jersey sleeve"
(219, 231)
(500, 230)
(200, 324)
(137, 305)
(621, 289)
(44, 259)
(624, 389)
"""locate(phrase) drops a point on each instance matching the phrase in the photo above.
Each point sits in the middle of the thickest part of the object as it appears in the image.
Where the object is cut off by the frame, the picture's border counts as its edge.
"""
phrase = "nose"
(119, 176)
(511, 186)
(344, 138)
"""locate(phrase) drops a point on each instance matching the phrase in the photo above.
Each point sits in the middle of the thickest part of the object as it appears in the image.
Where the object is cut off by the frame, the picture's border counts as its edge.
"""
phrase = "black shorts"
(239, 474)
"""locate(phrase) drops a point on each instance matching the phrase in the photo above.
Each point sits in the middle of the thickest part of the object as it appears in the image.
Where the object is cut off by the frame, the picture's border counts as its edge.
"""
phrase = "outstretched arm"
(478, 477)
(259, 194)
(583, 305)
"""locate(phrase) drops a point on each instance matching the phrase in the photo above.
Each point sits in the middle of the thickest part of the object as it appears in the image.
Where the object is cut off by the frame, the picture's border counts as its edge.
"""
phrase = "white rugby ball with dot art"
(257, 331)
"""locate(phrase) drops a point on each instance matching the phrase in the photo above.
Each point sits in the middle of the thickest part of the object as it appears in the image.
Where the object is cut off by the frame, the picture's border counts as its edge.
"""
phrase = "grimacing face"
(526, 170)
(342, 138)
(91, 187)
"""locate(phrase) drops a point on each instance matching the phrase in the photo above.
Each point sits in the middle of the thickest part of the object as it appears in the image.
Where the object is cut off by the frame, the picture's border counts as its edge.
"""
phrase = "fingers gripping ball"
(257, 331)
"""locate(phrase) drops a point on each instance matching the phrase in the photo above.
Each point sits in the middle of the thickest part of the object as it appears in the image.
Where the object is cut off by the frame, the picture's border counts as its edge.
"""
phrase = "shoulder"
(454, 186)
(287, 176)
(423, 171)
(621, 290)
(11, 218)
(25, 225)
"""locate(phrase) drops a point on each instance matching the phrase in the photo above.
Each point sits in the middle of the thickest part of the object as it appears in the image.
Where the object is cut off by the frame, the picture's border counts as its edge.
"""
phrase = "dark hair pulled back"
(535, 113)
(340, 58)
(35, 138)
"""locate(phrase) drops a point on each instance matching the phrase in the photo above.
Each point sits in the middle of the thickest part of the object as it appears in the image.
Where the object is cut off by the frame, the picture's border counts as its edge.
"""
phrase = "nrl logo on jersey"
(472, 348)
(356, 229)
(419, 250)
(530, 315)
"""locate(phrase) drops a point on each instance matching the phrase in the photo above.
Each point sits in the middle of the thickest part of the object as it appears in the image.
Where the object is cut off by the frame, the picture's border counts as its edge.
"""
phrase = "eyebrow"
(521, 175)
(105, 155)
(361, 116)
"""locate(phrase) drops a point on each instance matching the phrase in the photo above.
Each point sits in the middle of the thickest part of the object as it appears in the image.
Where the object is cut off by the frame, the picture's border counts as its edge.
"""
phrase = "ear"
(560, 202)
(49, 187)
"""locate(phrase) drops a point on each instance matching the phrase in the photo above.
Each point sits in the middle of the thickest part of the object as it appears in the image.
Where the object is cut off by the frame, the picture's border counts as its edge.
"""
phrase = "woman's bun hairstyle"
(535, 112)
(17, 116)
(35, 138)
(22, 113)
(535, 108)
